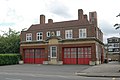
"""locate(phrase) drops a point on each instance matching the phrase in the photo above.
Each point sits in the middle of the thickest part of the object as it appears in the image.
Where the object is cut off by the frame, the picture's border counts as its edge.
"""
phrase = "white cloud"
(19, 14)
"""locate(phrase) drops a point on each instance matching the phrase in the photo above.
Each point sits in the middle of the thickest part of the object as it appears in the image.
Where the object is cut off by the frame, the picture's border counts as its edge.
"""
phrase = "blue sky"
(20, 14)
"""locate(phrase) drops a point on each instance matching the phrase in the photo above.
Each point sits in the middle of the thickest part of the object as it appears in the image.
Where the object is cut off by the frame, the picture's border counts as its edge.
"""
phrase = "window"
(68, 34)
(57, 33)
(110, 49)
(39, 36)
(116, 50)
(29, 37)
(116, 40)
(48, 34)
(82, 33)
(53, 50)
(109, 40)
(116, 44)
(80, 50)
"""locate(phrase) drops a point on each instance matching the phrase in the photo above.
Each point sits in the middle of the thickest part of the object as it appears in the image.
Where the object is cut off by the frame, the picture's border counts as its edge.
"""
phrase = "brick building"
(69, 42)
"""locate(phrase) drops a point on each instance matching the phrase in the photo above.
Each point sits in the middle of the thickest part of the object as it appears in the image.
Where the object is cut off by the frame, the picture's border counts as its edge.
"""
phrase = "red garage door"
(40, 56)
(84, 55)
(70, 56)
(77, 55)
(34, 56)
(29, 56)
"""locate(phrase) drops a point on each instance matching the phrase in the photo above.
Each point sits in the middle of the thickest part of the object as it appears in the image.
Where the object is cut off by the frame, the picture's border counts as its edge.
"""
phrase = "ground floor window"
(53, 51)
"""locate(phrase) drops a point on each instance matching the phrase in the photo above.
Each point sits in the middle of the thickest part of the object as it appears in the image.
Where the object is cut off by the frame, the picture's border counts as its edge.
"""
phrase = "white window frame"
(110, 49)
(39, 37)
(110, 40)
(82, 33)
(51, 51)
(116, 40)
(57, 33)
(29, 37)
(48, 34)
(68, 34)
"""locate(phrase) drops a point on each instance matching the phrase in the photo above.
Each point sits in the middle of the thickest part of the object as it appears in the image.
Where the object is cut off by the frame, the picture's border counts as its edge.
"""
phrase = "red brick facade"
(69, 42)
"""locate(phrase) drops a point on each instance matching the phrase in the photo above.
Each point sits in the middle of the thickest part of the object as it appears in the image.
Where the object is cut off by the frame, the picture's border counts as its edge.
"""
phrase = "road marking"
(12, 79)
(37, 75)
(113, 78)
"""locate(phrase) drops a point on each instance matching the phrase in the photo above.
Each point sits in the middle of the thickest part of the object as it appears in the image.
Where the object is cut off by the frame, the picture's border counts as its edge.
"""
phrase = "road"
(45, 72)
(21, 76)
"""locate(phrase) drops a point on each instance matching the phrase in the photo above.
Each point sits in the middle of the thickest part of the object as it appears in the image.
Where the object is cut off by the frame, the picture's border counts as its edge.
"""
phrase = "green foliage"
(9, 59)
(117, 26)
(10, 42)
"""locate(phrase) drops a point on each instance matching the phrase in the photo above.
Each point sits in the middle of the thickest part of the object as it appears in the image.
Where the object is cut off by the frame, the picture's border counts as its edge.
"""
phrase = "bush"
(9, 59)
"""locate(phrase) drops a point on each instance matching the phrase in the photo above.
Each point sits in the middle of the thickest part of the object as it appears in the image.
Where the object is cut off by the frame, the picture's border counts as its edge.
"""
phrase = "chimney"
(42, 19)
(50, 21)
(93, 18)
(85, 17)
(80, 14)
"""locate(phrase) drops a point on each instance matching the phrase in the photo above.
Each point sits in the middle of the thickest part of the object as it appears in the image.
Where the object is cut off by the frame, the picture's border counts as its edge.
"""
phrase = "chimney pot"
(50, 21)
(85, 17)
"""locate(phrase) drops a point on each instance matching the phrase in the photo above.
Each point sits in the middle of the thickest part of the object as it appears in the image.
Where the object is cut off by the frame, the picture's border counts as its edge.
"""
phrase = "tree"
(10, 42)
(117, 26)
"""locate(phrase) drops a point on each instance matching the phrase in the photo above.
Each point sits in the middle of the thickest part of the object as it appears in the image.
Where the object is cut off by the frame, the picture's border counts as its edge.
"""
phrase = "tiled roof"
(58, 24)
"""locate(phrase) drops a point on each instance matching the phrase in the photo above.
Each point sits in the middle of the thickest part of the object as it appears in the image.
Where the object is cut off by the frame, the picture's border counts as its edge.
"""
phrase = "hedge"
(9, 59)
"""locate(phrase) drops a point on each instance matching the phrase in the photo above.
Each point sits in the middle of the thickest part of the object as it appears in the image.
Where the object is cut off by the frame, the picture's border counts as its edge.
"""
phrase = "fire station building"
(69, 42)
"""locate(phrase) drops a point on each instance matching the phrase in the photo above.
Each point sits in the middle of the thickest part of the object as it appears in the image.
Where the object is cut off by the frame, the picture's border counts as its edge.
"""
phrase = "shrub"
(9, 59)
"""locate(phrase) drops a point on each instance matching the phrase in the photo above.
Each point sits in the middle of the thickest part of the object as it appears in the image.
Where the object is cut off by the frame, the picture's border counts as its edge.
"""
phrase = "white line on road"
(12, 79)
(113, 78)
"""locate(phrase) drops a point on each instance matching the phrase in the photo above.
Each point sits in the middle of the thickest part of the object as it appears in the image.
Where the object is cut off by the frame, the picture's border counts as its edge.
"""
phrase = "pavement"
(111, 69)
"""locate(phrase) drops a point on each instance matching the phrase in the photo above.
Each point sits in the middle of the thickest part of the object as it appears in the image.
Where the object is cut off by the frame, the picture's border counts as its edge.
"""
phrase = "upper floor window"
(48, 34)
(110, 49)
(109, 40)
(82, 33)
(57, 33)
(116, 40)
(39, 36)
(116, 44)
(29, 37)
(68, 34)
(116, 50)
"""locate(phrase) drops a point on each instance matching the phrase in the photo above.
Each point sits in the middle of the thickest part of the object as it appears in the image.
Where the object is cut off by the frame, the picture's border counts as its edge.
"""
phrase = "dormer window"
(29, 37)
